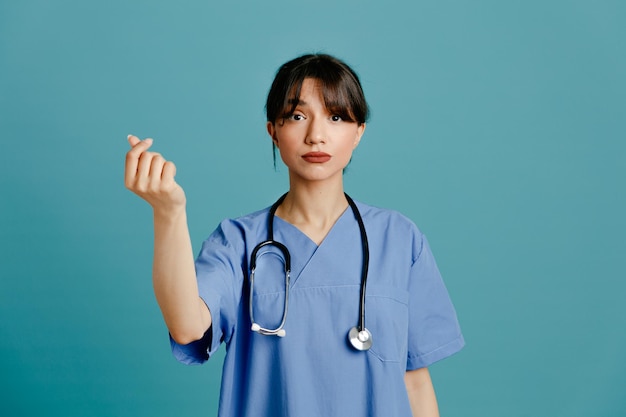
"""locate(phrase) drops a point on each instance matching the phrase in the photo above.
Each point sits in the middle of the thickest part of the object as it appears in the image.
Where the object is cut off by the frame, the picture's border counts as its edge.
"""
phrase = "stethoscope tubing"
(366, 260)
(287, 263)
(358, 336)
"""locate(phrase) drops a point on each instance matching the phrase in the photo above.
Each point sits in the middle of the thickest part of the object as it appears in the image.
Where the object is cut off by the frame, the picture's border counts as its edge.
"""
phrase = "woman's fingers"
(133, 140)
(155, 173)
(169, 171)
(151, 177)
(142, 177)
(132, 158)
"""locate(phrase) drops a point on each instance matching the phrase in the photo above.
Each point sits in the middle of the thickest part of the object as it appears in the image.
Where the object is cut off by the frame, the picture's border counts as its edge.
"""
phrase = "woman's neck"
(313, 208)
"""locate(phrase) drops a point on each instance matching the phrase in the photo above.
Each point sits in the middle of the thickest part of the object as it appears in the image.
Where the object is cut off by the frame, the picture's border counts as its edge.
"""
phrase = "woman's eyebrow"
(297, 101)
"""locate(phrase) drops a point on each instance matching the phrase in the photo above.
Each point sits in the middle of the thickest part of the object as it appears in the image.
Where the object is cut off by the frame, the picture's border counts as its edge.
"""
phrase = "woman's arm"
(421, 393)
(151, 177)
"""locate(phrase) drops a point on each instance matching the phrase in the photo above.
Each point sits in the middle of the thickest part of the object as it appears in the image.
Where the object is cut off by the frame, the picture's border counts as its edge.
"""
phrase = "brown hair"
(341, 88)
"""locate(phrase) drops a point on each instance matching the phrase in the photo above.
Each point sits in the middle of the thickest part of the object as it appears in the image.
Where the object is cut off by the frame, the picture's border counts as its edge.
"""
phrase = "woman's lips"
(316, 157)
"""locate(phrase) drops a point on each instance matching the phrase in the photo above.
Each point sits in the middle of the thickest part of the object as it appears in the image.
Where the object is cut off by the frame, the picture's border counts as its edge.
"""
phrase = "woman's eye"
(335, 118)
(297, 117)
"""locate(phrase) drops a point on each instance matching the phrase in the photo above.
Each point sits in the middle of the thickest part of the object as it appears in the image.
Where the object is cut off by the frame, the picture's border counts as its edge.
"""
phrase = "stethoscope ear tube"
(279, 331)
(271, 242)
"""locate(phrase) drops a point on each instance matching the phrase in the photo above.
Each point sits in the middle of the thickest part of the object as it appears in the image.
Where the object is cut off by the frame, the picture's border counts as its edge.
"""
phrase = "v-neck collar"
(302, 248)
(330, 231)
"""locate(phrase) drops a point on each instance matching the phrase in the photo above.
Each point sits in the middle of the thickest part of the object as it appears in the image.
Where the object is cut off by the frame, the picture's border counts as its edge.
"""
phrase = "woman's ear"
(359, 133)
(271, 130)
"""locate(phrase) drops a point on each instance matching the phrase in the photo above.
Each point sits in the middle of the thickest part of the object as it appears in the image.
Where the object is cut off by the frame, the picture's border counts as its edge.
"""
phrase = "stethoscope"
(359, 336)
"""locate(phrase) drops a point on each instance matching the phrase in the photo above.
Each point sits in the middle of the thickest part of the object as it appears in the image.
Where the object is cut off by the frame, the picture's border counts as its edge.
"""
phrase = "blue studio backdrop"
(497, 126)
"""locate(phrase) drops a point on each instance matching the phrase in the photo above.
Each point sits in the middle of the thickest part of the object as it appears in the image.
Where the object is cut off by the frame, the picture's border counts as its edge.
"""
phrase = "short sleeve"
(220, 277)
(434, 331)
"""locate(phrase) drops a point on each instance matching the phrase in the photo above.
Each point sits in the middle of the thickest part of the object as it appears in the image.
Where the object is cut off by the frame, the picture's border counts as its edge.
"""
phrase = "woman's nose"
(316, 132)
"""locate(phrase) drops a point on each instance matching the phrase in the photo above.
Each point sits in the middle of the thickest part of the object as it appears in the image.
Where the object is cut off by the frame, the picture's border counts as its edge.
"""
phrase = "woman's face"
(314, 144)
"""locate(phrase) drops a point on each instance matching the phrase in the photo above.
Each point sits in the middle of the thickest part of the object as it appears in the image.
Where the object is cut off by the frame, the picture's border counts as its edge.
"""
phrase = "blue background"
(497, 126)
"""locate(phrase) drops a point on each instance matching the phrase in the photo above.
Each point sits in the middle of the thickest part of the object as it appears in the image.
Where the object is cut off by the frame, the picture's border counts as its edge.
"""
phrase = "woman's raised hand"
(151, 177)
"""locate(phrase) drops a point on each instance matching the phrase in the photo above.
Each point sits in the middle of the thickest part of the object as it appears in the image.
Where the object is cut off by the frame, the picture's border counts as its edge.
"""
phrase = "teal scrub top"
(313, 370)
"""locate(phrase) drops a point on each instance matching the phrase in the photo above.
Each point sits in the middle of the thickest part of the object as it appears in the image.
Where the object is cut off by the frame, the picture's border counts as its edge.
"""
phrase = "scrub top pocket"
(387, 318)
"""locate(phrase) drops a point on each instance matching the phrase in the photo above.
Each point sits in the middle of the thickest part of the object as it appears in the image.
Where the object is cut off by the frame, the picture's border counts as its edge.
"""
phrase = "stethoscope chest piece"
(360, 340)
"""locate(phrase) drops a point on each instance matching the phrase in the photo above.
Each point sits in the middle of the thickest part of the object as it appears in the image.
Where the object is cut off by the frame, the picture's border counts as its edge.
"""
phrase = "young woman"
(327, 307)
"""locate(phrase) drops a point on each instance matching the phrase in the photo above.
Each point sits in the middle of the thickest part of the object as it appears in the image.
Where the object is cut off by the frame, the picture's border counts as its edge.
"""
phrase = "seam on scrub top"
(389, 298)
(419, 255)
(324, 287)
(292, 290)
(377, 356)
(425, 355)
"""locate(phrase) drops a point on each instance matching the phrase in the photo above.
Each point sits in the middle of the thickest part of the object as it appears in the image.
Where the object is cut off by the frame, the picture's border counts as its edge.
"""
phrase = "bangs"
(337, 98)
(340, 88)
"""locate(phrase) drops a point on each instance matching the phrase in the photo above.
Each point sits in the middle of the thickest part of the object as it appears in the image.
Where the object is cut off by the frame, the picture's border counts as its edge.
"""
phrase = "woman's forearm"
(152, 178)
(174, 278)
(421, 393)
